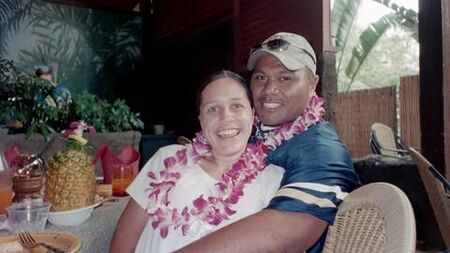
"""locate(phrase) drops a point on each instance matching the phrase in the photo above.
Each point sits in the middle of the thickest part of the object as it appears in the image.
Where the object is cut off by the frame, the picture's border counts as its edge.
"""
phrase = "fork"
(29, 242)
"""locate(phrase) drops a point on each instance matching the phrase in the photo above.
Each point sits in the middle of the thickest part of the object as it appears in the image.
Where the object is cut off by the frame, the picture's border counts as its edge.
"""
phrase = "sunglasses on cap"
(279, 45)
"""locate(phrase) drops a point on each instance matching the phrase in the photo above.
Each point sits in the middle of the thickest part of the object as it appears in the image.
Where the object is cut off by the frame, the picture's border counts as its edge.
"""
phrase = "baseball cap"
(292, 50)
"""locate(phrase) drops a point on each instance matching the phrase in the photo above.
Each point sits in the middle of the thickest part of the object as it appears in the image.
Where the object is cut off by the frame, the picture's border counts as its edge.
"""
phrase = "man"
(318, 168)
(59, 96)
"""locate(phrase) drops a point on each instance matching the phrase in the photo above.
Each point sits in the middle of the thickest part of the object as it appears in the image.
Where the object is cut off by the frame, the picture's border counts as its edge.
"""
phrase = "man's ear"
(313, 85)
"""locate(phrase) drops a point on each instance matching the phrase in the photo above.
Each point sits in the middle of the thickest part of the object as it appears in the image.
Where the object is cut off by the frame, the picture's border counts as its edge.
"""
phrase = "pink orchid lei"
(214, 209)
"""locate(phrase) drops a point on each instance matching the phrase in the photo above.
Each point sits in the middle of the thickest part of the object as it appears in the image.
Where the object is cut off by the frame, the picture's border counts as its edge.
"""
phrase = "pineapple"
(71, 179)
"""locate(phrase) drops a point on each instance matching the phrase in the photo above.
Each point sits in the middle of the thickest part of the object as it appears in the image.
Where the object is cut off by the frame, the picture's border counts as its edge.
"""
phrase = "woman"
(186, 192)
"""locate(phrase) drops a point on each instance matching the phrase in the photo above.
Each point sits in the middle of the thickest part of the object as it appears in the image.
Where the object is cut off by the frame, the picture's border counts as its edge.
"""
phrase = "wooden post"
(431, 80)
(446, 83)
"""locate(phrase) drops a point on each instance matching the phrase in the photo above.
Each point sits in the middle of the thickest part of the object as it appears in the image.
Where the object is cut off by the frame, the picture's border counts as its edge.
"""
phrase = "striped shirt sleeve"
(319, 173)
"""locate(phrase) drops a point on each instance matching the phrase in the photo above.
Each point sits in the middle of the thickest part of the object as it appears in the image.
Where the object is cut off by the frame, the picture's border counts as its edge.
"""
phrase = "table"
(97, 231)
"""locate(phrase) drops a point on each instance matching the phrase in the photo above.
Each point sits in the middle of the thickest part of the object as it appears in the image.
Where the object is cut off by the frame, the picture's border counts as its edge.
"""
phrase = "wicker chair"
(385, 142)
(183, 140)
(376, 217)
(436, 186)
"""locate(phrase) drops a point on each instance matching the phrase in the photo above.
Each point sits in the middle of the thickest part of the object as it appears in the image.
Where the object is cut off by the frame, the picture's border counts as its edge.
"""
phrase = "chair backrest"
(183, 140)
(384, 141)
(435, 186)
(376, 217)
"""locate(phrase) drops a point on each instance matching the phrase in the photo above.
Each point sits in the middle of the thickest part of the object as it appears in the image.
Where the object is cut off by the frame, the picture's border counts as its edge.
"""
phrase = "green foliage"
(104, 116)
(344, 14)
(407, 19)
(89, 47)
(23, 99)
(367, 41)
(395, 55)
(13, 14)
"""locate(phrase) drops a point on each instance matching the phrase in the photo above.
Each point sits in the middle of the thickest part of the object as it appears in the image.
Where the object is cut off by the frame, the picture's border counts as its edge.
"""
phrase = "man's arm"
(266, 231)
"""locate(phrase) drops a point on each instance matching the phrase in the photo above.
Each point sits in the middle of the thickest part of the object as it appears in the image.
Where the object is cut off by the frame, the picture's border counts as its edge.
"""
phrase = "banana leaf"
(367, 41)
(408, 19)
(344, 14)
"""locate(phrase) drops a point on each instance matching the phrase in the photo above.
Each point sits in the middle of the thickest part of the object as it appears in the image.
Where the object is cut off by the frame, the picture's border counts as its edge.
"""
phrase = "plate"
(67, 242)
(72, 217)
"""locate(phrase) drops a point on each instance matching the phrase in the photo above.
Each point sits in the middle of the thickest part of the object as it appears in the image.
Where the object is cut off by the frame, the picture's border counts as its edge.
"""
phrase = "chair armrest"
(396, 150)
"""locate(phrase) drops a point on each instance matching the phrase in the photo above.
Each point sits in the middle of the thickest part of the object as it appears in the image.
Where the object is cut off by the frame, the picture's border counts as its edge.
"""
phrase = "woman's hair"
(218, 75)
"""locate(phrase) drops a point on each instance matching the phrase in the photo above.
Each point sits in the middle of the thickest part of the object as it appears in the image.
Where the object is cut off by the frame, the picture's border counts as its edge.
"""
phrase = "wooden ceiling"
(120, 5)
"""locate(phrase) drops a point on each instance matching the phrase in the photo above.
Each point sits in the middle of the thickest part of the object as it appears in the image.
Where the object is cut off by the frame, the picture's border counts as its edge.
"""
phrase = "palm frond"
(14, 15)
(408, 19)
(367, 41)
(344, 14)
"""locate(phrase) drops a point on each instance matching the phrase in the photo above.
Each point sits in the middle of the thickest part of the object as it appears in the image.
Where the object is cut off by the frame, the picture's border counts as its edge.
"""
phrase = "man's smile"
(271, 105)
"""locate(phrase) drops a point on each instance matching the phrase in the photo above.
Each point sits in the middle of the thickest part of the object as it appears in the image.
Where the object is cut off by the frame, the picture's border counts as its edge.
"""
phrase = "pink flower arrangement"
(77, 128)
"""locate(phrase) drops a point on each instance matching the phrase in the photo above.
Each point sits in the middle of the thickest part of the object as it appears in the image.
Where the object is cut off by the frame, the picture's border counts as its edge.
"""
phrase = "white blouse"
(194, 182)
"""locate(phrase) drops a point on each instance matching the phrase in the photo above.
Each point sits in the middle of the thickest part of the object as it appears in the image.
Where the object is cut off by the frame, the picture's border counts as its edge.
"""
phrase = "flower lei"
(214, 209)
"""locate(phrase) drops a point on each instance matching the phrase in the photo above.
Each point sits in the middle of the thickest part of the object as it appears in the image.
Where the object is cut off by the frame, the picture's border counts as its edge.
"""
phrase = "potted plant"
(102, 115)
(22, 99)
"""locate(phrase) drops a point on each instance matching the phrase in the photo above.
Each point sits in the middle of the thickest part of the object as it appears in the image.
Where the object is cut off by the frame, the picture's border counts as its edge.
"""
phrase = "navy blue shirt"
(318, 174)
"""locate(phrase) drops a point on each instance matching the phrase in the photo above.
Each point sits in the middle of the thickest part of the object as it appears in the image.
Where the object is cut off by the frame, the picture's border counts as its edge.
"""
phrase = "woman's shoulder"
(171, 149)
(163, 153)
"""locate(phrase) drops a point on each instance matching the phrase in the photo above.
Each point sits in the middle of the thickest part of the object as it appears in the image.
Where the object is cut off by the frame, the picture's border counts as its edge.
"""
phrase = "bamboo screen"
(356, 111)
(410, 110)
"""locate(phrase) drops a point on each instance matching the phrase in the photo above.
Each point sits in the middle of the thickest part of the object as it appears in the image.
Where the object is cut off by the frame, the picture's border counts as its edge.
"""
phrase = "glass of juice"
(121, 178)
(5, 198)
(5, 185)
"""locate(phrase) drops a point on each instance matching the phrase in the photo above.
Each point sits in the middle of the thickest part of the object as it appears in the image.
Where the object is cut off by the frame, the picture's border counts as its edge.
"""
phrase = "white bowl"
(72, 217)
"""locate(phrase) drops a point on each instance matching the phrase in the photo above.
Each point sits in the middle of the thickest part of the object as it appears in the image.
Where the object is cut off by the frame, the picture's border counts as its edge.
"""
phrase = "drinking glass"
(26, 216)
(5, 185)
(121, 177)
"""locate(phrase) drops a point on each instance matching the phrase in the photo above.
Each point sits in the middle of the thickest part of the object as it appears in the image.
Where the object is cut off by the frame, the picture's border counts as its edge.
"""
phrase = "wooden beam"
(117, 5)
(446, 83)
(431, 80)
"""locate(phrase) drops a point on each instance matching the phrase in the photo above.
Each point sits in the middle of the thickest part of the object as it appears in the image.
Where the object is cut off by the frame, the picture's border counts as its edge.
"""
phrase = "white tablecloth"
(97, 231)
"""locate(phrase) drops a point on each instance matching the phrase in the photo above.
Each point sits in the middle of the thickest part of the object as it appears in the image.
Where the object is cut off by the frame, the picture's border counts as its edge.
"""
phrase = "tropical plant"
(23, 100)
(102, 115)
(90, 48)
(344, 14)
(13, 15)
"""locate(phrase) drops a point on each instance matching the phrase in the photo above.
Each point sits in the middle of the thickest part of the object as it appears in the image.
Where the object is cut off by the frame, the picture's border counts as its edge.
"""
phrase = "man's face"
(48, 77)
(280, 95)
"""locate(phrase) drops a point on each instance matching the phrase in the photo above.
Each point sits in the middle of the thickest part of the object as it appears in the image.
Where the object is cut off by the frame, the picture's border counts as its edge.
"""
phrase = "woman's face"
(226, 117)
